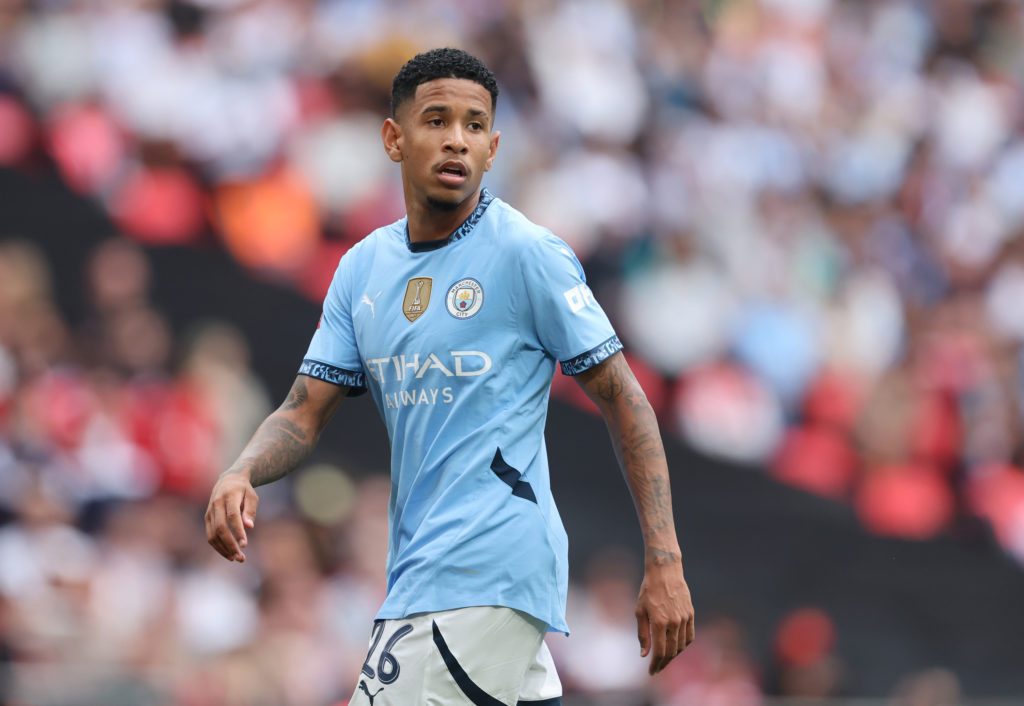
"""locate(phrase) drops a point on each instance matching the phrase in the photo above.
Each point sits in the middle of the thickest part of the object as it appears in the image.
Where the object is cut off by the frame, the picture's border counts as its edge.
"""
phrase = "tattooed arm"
(664, 609)
(281, 443)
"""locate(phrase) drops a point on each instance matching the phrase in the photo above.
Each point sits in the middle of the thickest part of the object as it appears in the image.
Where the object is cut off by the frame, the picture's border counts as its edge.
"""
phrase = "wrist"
(236, 471)
(659, 557)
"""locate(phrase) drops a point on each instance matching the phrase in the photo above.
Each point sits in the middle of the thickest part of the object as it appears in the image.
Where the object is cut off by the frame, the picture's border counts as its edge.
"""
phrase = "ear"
(391, 134)
(495, 136)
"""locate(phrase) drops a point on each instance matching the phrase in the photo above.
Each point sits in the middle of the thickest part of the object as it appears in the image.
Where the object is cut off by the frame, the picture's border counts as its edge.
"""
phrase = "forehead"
(456, 93)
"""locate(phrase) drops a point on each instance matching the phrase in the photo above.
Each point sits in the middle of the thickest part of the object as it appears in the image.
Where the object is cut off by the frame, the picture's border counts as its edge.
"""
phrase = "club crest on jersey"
(465, 298)
(417, 297)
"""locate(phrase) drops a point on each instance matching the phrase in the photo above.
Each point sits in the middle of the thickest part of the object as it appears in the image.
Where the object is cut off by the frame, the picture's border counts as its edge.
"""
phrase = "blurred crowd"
(803, 216)
(111, 434)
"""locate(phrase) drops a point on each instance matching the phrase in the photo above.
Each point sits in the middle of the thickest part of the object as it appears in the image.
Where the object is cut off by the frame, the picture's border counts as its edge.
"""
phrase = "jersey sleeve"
(569, 323)
(333, 355)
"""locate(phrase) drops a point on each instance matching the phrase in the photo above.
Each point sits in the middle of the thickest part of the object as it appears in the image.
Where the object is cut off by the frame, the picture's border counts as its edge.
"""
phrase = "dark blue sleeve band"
(356, 382)
(598, 354)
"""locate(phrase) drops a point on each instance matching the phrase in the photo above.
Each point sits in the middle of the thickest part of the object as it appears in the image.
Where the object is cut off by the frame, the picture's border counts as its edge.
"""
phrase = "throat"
(442, 206)
(437, 219)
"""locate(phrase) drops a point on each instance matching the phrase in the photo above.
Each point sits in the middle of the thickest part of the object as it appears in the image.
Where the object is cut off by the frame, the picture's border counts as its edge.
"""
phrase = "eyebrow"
(474, 112)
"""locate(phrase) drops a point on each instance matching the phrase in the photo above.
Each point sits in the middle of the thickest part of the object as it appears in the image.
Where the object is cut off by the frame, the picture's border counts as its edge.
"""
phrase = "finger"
(225, 537)
(250, 501)
(691, 631)
(643, 627)
(674, 644)
(212, 526)
(233, 513)
(659, 634)
(681, 642)
(231, 550)
(211, 532)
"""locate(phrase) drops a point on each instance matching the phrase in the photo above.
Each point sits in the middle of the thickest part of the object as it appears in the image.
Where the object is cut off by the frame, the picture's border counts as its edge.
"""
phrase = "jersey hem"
(596, 355)
(398, 613)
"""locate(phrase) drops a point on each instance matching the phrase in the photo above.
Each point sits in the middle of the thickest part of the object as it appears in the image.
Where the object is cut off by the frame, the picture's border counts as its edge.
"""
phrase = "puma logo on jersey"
(371, 302)
(366, 690)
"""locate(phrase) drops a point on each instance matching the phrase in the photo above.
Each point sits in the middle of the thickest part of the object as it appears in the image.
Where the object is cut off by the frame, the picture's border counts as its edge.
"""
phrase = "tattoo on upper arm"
(607, 382)
(297, 396)
(613, 381)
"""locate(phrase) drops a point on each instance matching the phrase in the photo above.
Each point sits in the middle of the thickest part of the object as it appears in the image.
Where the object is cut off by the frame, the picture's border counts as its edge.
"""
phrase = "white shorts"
(481, 655)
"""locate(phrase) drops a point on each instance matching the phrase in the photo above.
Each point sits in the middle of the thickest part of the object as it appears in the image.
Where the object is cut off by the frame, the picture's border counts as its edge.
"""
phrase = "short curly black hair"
(440, 63)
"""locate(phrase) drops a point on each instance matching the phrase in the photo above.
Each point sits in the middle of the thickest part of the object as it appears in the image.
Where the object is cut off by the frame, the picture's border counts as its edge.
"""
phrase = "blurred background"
(803, 216)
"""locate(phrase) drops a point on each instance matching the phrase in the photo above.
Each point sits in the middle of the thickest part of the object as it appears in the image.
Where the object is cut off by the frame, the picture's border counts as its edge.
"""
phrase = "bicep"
(612, 386)
(313, 401)
(616, 392)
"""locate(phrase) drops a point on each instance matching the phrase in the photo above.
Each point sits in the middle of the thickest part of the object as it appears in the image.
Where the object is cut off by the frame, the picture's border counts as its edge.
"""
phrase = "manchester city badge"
(465, 298)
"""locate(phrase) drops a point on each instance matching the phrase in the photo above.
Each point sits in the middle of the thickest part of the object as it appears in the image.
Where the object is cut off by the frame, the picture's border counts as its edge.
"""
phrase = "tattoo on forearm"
(660, 557)
(276, 449)
(638, 446)
(287, 436)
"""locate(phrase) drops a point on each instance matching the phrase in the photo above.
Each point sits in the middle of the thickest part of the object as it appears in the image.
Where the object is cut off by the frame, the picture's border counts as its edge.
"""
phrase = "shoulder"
(536, 248)
(357, 260)
(513, 231)
(382, 237)
(372, 244)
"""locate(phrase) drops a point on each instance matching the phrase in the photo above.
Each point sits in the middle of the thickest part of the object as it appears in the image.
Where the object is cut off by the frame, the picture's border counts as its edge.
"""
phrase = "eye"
(476, 126)
(436, 122)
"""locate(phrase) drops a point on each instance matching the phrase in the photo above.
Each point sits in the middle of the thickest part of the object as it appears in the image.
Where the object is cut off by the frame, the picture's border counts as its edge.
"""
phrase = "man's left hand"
(664, 612)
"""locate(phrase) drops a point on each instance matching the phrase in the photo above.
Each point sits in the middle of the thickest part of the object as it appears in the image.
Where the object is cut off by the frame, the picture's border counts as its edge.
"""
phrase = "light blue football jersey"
(457, 342)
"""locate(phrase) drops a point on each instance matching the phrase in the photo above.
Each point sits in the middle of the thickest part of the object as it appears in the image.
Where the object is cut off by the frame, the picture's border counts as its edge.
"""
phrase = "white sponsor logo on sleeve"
(579, 297)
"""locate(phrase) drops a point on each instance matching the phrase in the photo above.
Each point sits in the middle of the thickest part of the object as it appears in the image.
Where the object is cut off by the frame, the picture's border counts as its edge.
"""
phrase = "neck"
(429, 221)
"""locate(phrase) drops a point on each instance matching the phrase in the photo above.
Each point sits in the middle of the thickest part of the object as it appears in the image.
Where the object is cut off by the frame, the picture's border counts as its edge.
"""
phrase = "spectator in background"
(598, 662)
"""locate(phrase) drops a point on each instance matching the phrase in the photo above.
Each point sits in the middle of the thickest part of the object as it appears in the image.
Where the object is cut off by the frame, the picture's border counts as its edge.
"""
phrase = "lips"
(452, 173)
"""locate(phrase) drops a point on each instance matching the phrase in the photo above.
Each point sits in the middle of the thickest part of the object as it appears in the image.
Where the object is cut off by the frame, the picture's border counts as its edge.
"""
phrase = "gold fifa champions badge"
(417, 297)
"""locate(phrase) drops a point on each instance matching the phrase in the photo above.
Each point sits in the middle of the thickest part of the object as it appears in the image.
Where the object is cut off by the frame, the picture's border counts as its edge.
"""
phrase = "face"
(442, 138)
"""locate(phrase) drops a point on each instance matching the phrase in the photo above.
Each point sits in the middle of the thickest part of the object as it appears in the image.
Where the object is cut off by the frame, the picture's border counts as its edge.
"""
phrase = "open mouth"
(452, 173)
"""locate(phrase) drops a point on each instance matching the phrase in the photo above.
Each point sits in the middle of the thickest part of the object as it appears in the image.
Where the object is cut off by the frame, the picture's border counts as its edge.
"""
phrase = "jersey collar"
(461, 232)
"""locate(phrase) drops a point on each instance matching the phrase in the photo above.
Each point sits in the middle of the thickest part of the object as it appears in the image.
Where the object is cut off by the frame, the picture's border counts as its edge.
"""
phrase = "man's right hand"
(231, 511)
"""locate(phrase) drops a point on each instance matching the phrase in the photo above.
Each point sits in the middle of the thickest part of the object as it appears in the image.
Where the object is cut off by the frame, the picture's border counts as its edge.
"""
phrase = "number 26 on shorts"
(387, 666)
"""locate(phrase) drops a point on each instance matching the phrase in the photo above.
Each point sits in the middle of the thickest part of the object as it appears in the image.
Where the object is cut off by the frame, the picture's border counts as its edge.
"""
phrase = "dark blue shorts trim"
(597, 354)
(556, 701)
(355, 381)
(473, 692)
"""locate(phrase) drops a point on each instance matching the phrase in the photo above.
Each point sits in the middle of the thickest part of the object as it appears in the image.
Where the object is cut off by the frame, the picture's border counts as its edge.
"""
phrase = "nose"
(455, 140)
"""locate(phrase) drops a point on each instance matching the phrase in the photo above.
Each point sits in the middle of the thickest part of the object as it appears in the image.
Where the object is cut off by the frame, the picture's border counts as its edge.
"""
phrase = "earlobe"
(391, 135)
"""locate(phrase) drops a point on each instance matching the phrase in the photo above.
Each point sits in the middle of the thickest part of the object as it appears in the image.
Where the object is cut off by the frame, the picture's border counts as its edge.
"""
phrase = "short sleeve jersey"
(457, 341)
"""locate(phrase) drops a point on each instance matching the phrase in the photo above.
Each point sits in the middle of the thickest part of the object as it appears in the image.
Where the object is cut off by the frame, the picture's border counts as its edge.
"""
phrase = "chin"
(445, 204)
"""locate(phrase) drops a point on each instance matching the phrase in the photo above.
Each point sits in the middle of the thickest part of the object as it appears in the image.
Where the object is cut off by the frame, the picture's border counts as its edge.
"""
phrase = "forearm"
(636, 439)
(275, 450)
(633, 428)
(287, 436)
